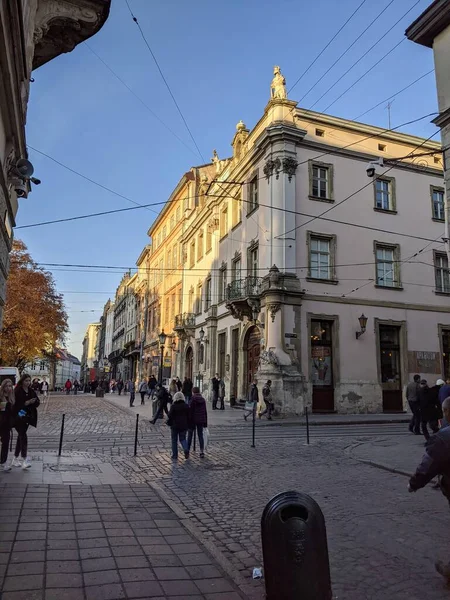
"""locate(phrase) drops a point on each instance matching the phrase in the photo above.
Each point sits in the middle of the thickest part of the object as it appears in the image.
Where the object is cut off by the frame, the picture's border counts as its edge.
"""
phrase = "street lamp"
(362, 324)
(201, 334)
(162, 340)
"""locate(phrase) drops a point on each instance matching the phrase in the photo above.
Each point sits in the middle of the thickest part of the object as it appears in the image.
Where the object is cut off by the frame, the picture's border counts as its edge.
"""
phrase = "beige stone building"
(32, 32)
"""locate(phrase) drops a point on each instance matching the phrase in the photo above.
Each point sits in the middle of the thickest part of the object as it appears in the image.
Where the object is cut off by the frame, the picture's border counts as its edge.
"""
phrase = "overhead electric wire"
(320, 216)
(140, 99)
(393, 95)
(366, 73)
(164, 79)
(327, 45)
(347, 49)
(365, 54)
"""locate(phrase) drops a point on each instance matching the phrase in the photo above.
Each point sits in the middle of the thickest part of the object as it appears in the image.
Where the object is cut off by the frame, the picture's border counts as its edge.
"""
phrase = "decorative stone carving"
(271, 166)
(290, 165)
(268, 357)
(219, 164)
(278, 85)
(273, 308)
(274, 276)
(213, 224)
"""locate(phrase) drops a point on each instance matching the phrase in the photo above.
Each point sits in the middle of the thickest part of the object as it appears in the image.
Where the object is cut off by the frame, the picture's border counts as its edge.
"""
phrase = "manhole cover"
(72, 468)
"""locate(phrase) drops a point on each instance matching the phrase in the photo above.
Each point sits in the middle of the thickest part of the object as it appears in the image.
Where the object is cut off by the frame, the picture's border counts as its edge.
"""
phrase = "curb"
(223, 562)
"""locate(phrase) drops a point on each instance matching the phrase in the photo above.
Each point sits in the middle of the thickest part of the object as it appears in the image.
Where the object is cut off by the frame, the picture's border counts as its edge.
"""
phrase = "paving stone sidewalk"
(106, 542)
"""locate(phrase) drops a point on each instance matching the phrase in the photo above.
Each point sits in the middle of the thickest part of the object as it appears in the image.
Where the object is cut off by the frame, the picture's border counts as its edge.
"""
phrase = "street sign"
(290, 335)
(167, 361)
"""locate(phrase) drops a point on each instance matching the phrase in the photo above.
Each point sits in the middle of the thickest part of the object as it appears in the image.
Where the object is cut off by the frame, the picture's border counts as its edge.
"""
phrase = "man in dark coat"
(436, 462)
(162, 396)
(430, 410)
(198, 419)
(178, 423)
(215, 385)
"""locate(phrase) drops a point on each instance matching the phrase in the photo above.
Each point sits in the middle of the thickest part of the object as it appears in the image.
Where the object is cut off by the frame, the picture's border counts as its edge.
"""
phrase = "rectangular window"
(178, 214)
(164, 232)
(199, 300)
(169, 259)
(320, 182)
(208, 293)
(437, 198)
(236, 269)
(161, 270)
(175, 257)
(159, 240)
(224, 222)
(172, 307)
(192, 254)
(200, 246)
(387, 266)
(320, 258)
(236, 211)
(208, 239)
(252, 203)
(172, 222)
(191, 300)
(382, 147)
(320, 133)
(253, 262)
(222, 289)
(166, 316)
(441, 273)
(384, 194)
(221, 353)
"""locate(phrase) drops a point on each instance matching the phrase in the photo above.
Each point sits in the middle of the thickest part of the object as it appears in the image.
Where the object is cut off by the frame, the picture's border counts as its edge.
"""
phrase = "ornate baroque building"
(32, 32)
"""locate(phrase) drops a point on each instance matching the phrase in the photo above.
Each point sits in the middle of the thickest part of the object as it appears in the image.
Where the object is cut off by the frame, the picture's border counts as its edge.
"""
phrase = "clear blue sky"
(218, 60)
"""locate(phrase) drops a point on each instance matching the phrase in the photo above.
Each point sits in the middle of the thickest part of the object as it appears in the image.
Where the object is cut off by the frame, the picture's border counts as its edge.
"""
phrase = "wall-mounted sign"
(167, 361)
(155, 361)
(420, 361)
(290, 335)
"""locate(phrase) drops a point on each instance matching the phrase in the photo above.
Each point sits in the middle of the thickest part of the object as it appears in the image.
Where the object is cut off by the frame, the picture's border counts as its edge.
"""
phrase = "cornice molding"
(430, 23)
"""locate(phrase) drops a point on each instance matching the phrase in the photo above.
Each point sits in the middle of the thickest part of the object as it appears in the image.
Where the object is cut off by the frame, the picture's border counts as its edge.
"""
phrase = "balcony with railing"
(184, 324)
(243, 297)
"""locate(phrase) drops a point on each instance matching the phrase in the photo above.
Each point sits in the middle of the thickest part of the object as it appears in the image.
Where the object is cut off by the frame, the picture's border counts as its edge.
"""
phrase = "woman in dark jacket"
(25, 414)
(178, 423)
(198, 419)
(6, 406)
(187, 389)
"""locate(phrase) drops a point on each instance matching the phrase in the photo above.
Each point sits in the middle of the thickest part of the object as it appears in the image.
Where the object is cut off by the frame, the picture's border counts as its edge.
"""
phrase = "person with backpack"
(198, 419)
(143, 389)
(178, 423)
(163, 397)
(267, 397)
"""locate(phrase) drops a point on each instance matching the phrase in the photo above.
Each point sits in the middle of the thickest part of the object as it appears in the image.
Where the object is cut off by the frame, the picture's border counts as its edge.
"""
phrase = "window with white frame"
(236, 269)
(208, 239)
(236, 211)
(207, 293)
(174, 257)
(253, 201)
(222, 284)
(320, 182)
(253, 261)
(169, 259)
(321, 257)
(192, 254)
(200, 246)
(224, 222)
(387, 265)
(438, 204)
(198, 309)
(441, 273)
(384, 194)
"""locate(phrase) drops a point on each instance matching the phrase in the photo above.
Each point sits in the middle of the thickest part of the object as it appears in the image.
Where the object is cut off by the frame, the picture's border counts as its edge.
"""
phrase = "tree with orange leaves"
(35, 320)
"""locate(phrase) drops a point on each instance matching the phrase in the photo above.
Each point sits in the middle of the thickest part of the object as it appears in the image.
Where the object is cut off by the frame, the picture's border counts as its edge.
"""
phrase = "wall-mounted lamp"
(201, 334)
(362, 324)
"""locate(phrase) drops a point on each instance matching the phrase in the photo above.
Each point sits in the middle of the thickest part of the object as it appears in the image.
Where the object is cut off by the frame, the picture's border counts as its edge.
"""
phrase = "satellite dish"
(24, 168)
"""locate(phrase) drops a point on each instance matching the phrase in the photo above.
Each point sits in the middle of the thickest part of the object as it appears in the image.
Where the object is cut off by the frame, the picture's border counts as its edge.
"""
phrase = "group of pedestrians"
(253, 400)
(69, 387)
(18, 410)
(185, 419)
(426, 404)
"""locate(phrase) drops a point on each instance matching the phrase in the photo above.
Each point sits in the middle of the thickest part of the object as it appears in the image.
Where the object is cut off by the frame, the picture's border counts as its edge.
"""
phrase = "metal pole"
(253, 425)
(61, 435)
(161, 366)
(136, 434)
(307, 424)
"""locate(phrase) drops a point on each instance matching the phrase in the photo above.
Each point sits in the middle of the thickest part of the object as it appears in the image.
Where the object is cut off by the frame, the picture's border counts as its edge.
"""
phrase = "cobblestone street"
(380, 537)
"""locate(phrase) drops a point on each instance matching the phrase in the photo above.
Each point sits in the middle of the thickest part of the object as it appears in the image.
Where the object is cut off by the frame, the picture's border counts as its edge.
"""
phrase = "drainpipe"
(447, 207)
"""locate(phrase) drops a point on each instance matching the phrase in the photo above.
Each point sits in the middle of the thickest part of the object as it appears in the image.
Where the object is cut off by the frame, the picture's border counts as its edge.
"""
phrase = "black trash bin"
(295, 551)
(99, 393)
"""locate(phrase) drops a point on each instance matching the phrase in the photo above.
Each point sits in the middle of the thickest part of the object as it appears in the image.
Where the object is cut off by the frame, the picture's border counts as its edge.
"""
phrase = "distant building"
(89, 362)
(65, 366)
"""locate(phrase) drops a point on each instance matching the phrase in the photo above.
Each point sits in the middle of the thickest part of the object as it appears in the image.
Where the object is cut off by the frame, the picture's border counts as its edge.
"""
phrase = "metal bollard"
(295, 550)
(307, 424)
(61, 435)
(136, 434)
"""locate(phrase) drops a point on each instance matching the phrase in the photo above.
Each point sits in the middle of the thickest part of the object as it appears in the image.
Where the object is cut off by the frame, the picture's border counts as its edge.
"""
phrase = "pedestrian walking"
(436, 461)
(132, 391)
(6, 408)
(267, 397)
(179, 384)
(162, 396)
(444, 392)
(222, 393)
(198, 419)
(178, 423)
(68, 386)
(120, 387)
(412, 397)
(215, 384)
(173, 388)
(253, 399)
(44, 389)
(151, 386)
(187, 389)
(429, 407)
(143, 389)
(36, 385)
(76, 387)
(24, 415)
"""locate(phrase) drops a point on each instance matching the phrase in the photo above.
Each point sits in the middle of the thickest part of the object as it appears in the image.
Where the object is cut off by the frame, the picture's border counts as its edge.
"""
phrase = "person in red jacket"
(198, 419)
(68, 386)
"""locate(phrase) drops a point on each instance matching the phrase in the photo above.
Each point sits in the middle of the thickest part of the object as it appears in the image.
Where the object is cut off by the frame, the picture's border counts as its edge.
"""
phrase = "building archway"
(189, 363)
(252, 351)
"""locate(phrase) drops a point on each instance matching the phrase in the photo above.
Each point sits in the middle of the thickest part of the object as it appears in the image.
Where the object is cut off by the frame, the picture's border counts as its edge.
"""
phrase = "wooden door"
(188, 372)
(322, 366)
(234, 363)
(391, 382)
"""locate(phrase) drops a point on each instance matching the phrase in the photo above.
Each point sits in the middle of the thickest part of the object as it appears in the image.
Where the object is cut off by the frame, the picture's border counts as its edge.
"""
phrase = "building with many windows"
(89, 361)
(312, 256)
